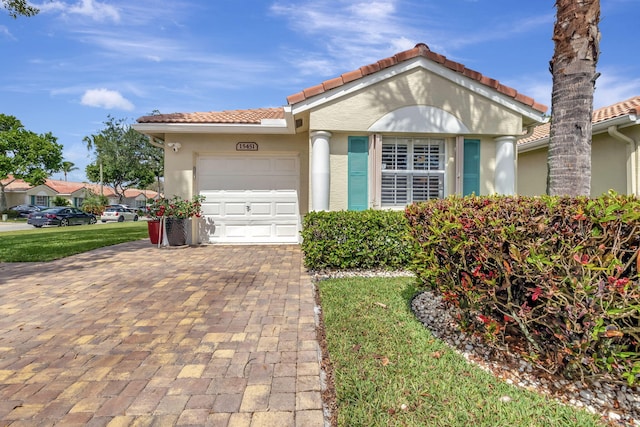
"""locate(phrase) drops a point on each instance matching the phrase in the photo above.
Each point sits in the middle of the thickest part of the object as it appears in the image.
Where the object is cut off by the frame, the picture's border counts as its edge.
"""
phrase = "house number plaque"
(247, 146)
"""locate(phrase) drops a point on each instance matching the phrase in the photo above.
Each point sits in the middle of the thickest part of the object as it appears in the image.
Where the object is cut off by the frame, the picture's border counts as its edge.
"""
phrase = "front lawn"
(46, 244)
(390, 371)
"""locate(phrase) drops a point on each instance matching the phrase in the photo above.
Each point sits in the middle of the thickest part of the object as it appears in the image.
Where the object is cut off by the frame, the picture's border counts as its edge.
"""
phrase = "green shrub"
(95, 203)
(11, 214)
(356, 240)
(60, 201)
(555, 277)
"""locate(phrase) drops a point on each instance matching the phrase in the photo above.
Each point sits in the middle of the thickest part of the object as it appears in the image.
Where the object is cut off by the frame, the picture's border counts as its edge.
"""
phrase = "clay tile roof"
(15, 185)
(630, 106)
(422, 50)
(64, 187)
(231, 116)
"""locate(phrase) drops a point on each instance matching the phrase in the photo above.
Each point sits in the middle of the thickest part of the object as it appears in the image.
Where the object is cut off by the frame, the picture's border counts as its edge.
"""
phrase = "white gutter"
(152, 141)
(632, 158)
(528, 133)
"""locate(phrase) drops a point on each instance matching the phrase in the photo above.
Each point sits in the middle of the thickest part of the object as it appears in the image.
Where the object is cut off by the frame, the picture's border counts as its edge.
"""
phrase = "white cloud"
(104, 98)
(4, 32)
(613, 87)
(89, 8)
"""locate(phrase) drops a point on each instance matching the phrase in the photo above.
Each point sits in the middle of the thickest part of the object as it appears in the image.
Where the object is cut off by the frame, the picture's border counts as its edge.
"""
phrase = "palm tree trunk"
(577, 39)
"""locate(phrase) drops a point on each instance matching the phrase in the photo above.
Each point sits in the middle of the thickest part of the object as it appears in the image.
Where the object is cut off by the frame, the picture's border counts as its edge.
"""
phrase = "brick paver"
(134, 335)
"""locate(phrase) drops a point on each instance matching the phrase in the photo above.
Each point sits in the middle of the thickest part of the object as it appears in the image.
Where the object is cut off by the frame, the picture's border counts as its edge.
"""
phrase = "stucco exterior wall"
(179, 167)
(16, 199)
(41, 190)
(609, 168)
(338, 158)
(531, 177)
(487, 165)
(415, 87)
(339, 194)
(608, 165)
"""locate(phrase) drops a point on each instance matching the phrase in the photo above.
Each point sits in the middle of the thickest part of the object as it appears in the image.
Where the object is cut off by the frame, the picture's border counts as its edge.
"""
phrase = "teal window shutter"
(471, 167)
(358, 167)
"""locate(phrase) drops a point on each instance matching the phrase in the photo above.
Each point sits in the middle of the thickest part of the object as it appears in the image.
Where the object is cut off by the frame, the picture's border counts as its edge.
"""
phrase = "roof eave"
(597, 128)
(530, 113)
(265, 127)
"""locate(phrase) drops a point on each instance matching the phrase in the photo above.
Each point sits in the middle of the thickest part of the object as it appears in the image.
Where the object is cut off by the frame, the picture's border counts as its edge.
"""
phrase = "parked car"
(117, 205)
(118, 214)
(25, 210)
(60, 216)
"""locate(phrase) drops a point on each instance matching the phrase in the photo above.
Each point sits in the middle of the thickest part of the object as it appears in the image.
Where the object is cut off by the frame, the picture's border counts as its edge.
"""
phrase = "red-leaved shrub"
(559, 276)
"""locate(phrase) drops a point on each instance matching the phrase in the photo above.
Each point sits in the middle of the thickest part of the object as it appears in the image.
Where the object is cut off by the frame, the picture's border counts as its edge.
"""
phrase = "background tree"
(577, 45)
(124, 155)
(18, 7)
(68, 167)
(25, 155)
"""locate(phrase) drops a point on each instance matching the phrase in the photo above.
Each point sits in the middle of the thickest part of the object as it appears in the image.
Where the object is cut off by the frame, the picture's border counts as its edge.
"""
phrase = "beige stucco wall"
(609, 168)
(415, 87)
(41, 190)
(179, 167)
(531, 179)
(487, 165)
(339, 198)
(16, 198)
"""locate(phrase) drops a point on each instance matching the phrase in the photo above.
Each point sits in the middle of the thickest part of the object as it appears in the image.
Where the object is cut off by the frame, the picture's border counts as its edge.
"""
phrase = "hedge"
(371, 239)
(556, 278)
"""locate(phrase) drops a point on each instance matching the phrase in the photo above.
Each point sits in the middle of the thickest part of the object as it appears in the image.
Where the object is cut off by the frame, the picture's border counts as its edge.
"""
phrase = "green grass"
(46, 244)
(383, 358)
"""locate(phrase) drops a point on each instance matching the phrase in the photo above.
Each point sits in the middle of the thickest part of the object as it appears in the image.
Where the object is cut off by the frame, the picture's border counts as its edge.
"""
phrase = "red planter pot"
(155, 231)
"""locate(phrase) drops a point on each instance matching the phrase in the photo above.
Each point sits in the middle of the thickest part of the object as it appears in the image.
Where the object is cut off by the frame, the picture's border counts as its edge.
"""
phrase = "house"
(410, 127)
(20, 192)
(615, 156)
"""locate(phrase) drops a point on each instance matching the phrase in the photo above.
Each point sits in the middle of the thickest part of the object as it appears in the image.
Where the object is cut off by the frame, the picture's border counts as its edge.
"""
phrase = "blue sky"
(78, 61)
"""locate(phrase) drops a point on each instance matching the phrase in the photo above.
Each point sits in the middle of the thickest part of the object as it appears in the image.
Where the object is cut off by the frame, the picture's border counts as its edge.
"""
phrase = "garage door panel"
(211, 208)
(284, 208)
(234, 209)
(262, 209)
(251, 199)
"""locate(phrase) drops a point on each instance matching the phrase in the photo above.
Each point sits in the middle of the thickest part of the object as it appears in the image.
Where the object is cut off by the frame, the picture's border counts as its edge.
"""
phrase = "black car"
(61, 216)
(25, 210)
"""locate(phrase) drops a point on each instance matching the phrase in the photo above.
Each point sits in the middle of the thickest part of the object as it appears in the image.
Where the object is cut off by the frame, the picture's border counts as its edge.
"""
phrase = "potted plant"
(173, 213)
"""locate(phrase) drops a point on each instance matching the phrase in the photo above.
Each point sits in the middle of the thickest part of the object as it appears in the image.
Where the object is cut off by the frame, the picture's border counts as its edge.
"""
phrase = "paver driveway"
(132, 335)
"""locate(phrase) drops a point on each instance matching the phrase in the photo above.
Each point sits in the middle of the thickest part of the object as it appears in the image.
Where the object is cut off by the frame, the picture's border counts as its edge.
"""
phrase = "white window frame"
(408, 169)
(41, 200)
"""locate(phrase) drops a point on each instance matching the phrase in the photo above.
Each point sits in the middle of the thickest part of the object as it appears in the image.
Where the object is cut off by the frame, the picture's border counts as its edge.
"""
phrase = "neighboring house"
(615, 156)
(20, 192)
(407, 128)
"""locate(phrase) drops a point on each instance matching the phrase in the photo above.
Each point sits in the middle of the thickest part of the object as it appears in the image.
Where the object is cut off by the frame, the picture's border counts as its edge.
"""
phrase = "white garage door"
(250, 199)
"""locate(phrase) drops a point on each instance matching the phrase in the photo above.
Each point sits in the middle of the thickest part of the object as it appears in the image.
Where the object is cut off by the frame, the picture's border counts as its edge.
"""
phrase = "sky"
(77, 62)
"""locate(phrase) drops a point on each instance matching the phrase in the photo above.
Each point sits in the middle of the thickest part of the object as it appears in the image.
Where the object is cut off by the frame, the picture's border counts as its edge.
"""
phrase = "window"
(42, 200)
(412, 170)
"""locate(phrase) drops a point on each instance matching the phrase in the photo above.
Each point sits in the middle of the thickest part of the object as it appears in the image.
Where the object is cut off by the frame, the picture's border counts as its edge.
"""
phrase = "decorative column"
(505, 176)
(320, 170)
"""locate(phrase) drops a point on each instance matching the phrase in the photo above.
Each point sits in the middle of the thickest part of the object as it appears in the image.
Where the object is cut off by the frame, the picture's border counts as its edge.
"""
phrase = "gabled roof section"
(255, 116)
(15, 185)
(420, 50)
(630, 107)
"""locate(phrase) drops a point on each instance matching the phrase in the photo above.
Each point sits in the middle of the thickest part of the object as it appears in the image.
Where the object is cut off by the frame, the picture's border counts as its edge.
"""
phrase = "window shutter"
(358, 164)
(471, 167)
